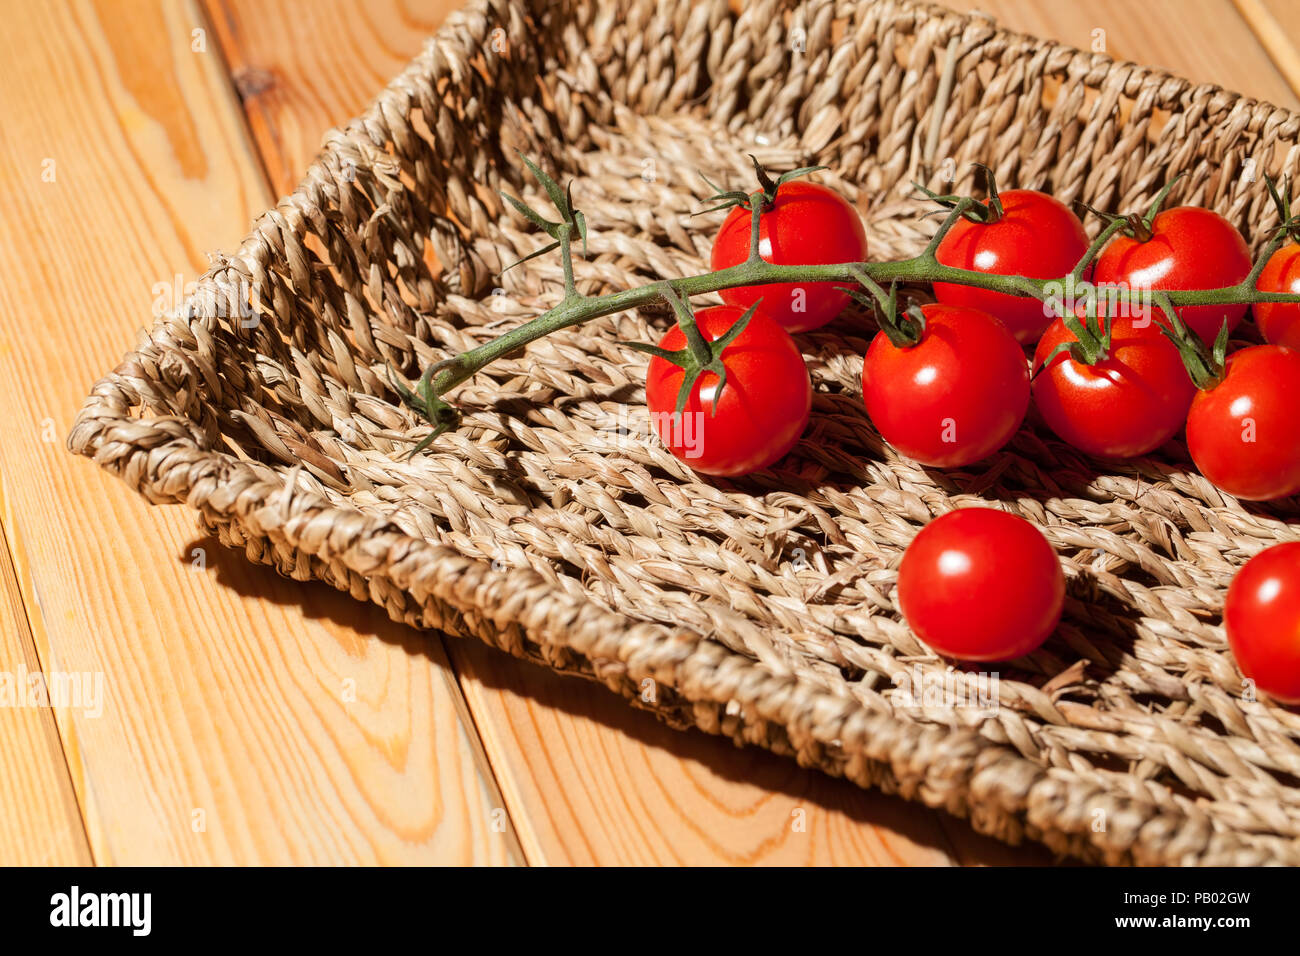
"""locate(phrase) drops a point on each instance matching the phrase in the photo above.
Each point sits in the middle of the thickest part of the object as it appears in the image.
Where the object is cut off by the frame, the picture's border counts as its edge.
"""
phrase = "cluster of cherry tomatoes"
(950, 383)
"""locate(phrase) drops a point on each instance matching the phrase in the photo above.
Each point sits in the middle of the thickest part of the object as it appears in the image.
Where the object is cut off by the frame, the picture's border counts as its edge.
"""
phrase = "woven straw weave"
(552, 526)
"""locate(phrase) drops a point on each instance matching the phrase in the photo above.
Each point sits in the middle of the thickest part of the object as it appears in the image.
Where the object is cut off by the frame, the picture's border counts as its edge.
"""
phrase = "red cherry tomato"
(808, 224)
(956, 396)
(1189, 248)
(1037, 237)
(1262, 617)
(1125, 405)
(981, 585)
(1278, 322)
(1244, 433)
(764, 406)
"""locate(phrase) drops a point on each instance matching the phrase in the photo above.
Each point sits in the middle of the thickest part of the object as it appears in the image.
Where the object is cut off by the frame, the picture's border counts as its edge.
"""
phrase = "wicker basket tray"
(553, 526)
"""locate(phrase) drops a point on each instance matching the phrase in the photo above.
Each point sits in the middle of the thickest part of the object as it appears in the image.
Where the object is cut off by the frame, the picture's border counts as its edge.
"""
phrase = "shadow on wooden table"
(761, 774)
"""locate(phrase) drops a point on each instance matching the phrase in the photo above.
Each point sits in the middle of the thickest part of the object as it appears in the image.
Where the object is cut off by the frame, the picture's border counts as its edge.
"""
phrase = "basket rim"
(675, 657)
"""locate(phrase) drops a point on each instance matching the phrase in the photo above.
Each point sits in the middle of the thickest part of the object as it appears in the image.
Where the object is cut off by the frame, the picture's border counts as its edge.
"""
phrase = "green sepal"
(557, 195)
(1092, 338)
(531, 214)
(1139, 226)
(427, 405)
(1204, 365)
(979, 212)
(729, 198)
(571, 221)
(550, 247)
(1154, 209)
(1288, 225)
(693, 362)
(903, 329)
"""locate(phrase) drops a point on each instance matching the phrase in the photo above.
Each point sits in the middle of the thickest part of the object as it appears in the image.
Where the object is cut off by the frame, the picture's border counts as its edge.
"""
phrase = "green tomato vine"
(427, 399)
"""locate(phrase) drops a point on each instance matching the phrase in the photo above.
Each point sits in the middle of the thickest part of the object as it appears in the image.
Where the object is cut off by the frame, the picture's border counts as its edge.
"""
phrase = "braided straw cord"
(554, 526)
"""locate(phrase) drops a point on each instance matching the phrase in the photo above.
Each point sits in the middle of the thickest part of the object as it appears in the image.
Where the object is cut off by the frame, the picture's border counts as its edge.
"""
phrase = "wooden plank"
(1206, 41)
(590, 780)
(1277, 24)
(348, 49)
(586, 778)
(246, 718)
(40, 822)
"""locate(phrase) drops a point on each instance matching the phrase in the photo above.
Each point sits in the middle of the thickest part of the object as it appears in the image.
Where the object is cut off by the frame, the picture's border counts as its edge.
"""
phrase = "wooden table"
(245, 718)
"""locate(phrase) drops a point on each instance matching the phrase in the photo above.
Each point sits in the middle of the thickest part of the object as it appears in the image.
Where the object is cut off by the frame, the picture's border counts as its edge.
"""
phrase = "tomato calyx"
(441, 415)
(572, 222)
(1092, 338)
(1205, 364)
(759, 201)
(903, 329)
(1139, 226)
(1288, 225)
(972, 209)
(700, 355)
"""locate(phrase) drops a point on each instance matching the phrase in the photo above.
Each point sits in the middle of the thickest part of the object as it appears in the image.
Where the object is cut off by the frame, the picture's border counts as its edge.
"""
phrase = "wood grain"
(247, 718)
(348, 49)
(1277, 24)
(590, 781)
(586, 778)
(1206, 41)
(40, 822)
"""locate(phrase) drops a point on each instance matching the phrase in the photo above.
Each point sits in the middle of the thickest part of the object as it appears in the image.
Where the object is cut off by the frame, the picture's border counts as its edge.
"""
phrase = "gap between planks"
(37, 793)
(92, 599)
(221, 29)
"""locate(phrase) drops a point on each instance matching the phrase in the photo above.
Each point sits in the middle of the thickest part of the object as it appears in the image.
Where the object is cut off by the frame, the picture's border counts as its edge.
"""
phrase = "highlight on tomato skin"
(980, 584)
(1262, 618)
(1190, 248)
(1244, 433)
(764, 406)
(808, 224)
(956, 396)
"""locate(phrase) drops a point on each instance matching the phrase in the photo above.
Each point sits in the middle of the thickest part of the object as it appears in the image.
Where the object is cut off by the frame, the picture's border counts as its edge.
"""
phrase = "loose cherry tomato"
(1189, 248)
(1037, 236)
(1262, 617)
(981, 585)
(956, 396)
(764, 405)
(1244, 433)
(1278, 322)
(807, 224)
(1128, 403)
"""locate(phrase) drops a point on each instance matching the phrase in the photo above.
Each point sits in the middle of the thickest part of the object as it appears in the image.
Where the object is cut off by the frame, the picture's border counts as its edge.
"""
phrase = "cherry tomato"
(1127, 404)
(956, 396)
(1037, 237)
(981, 585)
(764, 406)
(1262, 617)
(1278, 322)
(1244, 433)
(1189, 248)
(808, 224)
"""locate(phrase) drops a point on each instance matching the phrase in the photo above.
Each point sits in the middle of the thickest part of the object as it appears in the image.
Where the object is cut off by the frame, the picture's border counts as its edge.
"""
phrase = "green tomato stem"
(576, 309)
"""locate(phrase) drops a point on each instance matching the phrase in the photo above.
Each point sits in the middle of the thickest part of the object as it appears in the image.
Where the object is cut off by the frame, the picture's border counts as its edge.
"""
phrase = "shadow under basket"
(554, 526)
